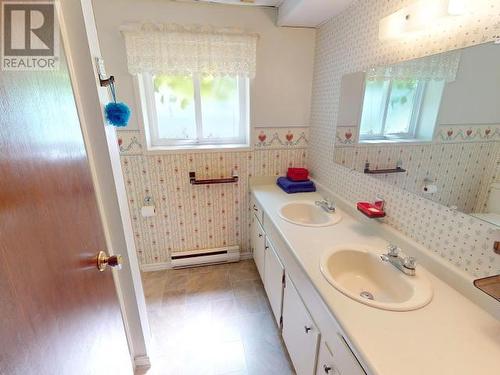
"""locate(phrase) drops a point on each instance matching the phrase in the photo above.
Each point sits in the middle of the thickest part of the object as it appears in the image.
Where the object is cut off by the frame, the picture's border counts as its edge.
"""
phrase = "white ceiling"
(269, 3)
(309, 13)
(295, 13)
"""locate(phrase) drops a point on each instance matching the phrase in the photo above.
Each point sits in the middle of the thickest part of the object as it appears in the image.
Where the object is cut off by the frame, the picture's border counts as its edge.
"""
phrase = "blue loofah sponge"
(117, 114)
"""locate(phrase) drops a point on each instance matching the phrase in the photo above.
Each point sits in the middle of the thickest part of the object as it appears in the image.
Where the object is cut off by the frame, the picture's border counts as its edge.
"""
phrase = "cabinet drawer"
(256, 208)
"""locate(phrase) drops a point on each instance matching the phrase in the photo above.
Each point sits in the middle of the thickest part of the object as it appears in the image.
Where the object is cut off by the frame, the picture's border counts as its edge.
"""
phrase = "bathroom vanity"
(328, 332)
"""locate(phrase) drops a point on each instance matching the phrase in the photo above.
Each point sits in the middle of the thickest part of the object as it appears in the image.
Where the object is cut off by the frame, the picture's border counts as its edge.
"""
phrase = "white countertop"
(451, 335)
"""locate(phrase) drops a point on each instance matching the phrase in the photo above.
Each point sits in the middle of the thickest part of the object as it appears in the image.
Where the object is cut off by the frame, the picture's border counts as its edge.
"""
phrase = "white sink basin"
(361, 274)
(307, 214)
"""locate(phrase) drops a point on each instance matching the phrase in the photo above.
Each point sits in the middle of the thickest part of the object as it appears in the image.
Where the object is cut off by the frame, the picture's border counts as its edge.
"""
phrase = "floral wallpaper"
(206, 216)
(462, 170)
(349, 43)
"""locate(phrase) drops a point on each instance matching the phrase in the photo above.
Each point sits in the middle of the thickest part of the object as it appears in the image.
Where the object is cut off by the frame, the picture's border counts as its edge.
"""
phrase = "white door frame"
(82, 47)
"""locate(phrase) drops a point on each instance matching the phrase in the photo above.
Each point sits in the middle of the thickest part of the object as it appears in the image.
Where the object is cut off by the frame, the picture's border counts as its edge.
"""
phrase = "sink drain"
(366, 295)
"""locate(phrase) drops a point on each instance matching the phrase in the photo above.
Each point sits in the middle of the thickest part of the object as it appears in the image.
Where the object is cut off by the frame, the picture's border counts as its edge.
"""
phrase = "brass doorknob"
(103, 260)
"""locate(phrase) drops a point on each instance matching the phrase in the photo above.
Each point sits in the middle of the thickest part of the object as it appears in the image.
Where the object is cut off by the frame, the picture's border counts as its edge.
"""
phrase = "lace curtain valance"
(443, 66)
(181, 50)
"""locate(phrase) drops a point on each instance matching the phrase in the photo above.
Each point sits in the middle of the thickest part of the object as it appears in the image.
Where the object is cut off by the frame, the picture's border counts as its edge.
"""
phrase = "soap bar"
(370, 210)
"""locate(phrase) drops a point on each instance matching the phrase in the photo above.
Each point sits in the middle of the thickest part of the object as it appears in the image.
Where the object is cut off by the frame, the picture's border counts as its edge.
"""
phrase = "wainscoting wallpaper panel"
(461, 171)
(349, 43)
(464, 241)
(205, 216)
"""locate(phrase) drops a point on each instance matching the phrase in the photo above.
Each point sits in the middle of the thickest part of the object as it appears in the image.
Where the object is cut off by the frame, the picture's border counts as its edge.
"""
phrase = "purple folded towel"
(295, 186)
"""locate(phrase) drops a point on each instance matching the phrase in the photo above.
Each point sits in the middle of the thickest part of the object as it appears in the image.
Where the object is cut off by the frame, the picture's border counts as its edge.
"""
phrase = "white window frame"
(414, 121)
(151, 123)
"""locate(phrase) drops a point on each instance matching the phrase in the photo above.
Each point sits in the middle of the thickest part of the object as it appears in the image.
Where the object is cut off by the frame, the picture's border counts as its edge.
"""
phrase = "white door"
(259, 246)
(299, 331)
(274, 274)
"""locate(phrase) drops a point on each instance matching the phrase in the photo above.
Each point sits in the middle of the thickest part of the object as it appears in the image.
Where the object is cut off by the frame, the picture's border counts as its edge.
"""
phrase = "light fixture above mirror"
(420, 16)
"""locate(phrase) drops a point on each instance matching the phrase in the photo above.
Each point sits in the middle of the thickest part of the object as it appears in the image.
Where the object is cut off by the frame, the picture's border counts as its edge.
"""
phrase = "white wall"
(473, 97)
(281, 93)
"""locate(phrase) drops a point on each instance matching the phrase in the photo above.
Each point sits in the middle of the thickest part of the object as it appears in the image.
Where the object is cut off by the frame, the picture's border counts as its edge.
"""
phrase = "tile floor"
(213, 320)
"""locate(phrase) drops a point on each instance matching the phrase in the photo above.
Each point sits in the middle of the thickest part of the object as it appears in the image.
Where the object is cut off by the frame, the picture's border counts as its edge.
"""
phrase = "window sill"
(198, 149)
(394, 141)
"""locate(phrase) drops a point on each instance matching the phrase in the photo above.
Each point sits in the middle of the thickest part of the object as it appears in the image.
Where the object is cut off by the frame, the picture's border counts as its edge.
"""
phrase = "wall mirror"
(430, 126)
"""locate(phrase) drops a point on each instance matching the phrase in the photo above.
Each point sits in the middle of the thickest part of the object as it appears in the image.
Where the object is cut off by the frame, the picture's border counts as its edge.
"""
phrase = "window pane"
(174, 99)
(220, 107)
(400, 106)
(373, 107)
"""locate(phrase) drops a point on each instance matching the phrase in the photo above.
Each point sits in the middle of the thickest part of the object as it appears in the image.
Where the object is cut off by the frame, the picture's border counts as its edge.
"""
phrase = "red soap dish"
(370, 209)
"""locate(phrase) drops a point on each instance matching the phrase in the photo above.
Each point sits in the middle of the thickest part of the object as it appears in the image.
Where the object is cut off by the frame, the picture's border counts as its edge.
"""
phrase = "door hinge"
(283, 280)
(281, 322)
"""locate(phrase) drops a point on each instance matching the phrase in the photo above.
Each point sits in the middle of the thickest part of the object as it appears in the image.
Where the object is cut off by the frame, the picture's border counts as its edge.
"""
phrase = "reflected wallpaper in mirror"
(437, 118)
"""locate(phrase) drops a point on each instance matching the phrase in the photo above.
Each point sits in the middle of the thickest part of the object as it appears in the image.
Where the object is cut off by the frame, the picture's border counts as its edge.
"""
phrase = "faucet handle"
(330, 203)
(392, 250)
(410, 263)
(325, 202)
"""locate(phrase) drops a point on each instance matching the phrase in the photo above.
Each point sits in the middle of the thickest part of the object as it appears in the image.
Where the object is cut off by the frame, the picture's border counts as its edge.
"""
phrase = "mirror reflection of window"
(400, 109)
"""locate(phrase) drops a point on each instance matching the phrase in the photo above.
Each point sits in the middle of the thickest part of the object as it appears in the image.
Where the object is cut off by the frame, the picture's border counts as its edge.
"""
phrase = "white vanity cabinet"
(297, 307)
(274, 272)
(258, 246)
(299, 331)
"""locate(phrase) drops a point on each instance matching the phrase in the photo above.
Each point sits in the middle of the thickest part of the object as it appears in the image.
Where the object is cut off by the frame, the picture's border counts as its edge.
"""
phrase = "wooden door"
(58, 313)
(273, 284)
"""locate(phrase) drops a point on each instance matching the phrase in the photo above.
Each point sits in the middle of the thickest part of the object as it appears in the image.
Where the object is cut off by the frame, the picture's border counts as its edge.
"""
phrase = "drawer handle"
(307, 329)
(255, 208)
(327, 369)
(266, 247)
(260, 234)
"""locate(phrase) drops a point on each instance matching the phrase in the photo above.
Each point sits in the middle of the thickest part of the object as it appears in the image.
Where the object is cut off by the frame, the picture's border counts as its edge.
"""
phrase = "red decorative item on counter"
(297, 174)
(371, 210)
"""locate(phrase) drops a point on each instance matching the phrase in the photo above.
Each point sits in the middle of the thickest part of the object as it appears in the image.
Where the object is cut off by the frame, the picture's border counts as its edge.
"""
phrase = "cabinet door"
(345, 361)
(336, 358)
(259, 246)
(326, 364)
(273, 283)
(299, 331)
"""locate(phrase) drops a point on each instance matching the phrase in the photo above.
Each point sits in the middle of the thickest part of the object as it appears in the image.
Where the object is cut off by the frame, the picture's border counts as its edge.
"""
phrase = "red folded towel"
(297, 174)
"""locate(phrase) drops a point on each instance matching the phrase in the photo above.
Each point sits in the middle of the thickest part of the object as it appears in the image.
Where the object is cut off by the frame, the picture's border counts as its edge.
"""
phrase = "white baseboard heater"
(196, 258)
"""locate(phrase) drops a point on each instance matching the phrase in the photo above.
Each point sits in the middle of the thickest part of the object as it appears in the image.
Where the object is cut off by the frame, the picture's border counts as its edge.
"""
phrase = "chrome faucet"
(405, 264)
(327, 205)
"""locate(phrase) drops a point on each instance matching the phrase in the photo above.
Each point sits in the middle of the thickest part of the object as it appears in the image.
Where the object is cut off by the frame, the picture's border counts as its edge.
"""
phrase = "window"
(400, 109)
(196, 110)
